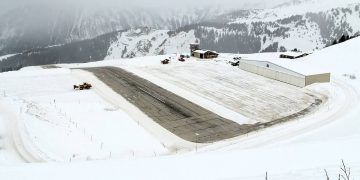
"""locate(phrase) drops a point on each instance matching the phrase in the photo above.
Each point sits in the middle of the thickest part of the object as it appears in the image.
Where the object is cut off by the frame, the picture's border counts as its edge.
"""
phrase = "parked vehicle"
(83, 86)
(165, 61)
(181, 59)
(237, 63)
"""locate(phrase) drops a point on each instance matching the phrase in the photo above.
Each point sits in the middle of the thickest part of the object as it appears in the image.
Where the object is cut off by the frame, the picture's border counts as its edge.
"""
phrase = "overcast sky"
(6, 4)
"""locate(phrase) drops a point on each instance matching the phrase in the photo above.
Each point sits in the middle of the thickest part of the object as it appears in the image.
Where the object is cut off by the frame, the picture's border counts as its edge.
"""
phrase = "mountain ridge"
(306, 31)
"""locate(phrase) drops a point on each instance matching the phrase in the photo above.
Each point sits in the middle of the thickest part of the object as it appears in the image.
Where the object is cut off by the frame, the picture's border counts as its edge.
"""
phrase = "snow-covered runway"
(342, 100)
(259, 99)
(58, 123)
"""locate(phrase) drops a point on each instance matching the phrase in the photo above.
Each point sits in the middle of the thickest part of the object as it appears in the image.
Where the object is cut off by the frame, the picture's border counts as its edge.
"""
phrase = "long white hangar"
(283, 74)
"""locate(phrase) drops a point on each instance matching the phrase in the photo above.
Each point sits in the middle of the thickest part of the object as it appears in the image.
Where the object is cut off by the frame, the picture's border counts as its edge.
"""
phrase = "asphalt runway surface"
(178, 115)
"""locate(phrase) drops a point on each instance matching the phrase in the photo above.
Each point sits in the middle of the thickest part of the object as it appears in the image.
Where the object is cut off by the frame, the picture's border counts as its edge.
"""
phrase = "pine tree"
(335, 42)
(342, 39)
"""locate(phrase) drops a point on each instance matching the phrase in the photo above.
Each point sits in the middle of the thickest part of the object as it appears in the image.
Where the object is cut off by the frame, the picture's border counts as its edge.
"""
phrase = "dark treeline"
(344, 38)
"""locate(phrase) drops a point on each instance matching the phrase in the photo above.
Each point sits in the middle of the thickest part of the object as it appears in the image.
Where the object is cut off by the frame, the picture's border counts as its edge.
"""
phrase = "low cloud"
(241, 4)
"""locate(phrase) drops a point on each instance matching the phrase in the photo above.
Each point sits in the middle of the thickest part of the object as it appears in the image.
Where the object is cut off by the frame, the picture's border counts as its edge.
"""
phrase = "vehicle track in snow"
(13, 141)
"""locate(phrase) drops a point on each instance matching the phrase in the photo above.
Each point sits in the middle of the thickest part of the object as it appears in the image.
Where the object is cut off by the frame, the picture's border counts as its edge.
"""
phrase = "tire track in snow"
(14, 140)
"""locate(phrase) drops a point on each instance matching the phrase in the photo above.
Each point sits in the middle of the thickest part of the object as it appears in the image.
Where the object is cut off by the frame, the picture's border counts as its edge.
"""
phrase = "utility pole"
(196, 141)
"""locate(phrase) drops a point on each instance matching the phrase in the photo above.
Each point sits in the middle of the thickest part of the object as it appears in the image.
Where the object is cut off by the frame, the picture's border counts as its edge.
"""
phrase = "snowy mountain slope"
(26, 27)
(246, 31)
(146, 41)
(257, 31)
(292, 8)
(81, 51)
(122, 44)
(6, 56)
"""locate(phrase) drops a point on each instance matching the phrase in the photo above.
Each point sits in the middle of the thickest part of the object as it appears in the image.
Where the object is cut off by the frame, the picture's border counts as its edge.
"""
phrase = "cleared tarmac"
(176, 114)
(256, 97)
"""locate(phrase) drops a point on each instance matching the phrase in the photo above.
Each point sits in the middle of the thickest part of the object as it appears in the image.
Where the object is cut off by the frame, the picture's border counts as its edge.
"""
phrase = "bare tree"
(345, 172)
(327, 176)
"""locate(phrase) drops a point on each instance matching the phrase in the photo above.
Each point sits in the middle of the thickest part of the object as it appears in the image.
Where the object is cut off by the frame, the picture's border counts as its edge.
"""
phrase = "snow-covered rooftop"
(204, 51)
(293, 53)
(300, 65)
(200, 51)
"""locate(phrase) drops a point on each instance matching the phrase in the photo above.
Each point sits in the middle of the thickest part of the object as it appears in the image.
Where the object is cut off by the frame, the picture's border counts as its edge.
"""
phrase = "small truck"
(83, 86)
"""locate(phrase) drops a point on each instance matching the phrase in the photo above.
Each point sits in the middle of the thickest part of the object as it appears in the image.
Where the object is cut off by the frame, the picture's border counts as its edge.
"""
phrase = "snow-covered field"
(54, 122)
(60, 124)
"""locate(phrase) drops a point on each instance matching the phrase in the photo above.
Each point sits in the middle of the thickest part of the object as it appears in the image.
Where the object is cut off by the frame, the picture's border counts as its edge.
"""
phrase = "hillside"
(279, 31)
(53, 118)
(26, 27)
(252, 31)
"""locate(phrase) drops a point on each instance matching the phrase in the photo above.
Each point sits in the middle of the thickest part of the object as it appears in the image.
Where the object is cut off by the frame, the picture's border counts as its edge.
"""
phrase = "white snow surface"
(60, 124)
(6, 56)
(326, 61)
(300, 149)
(238, 95)
(145, 42)
(309, 35)
(305, 6)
